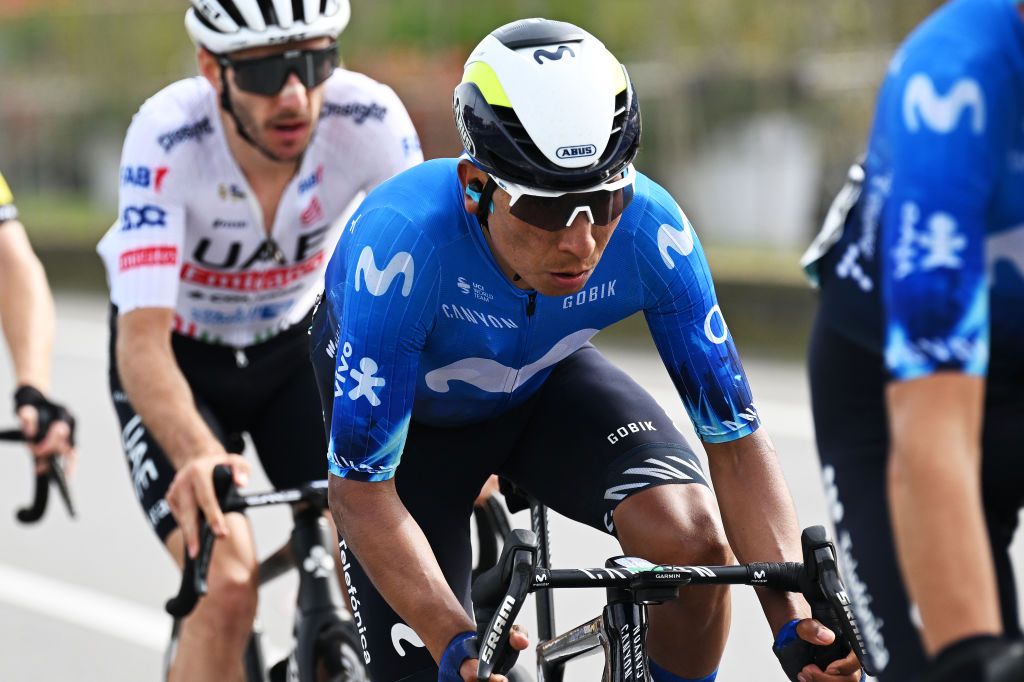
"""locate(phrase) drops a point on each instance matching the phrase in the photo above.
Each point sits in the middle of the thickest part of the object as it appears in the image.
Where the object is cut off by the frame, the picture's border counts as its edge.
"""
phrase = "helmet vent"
(621, 100)
(518, 133)
(299, 10)
(268, 12)
(232, 11)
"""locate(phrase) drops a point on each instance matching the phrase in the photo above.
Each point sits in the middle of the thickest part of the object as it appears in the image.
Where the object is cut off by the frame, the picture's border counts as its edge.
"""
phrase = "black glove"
(978, 659)
(794, 653)
(49, 412)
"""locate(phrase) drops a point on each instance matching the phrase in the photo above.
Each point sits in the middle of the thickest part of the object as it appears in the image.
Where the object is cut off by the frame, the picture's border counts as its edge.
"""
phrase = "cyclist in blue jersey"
(453, 343)
(916, 357)
(27, 314)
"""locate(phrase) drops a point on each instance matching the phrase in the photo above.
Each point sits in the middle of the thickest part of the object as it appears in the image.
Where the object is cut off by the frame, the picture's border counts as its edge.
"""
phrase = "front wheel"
(339, 658)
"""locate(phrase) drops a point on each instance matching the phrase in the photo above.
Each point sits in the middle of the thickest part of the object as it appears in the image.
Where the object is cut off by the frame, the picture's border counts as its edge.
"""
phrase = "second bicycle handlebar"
(194, 575)
(54, 472)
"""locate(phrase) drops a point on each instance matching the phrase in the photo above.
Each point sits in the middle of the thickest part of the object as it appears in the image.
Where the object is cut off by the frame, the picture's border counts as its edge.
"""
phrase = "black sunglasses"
(267, 75)
(557, 213)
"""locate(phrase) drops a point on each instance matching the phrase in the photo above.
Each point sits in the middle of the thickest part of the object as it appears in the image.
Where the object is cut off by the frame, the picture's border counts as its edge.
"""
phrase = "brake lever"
(195, 571)
(498, 596)
(495, 649)
(830, 603)
(59, 479)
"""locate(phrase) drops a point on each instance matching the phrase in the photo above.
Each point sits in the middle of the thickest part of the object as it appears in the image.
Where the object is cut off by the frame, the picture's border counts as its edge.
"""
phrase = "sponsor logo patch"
(143, 176)
(152, 256)
(357, 111)
(190, 131)
(138, 217)
(251, 281)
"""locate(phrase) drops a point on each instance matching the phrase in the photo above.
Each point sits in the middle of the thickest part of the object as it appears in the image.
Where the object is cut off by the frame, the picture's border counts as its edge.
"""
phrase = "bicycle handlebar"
(54, 472)
(499, 593)
(195, 572)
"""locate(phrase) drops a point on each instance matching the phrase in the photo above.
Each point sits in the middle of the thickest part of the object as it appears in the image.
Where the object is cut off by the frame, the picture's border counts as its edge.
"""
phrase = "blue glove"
(462, 646)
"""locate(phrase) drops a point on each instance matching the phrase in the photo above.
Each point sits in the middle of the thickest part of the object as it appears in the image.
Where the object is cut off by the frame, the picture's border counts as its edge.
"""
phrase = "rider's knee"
(674, 524)
(231, 596)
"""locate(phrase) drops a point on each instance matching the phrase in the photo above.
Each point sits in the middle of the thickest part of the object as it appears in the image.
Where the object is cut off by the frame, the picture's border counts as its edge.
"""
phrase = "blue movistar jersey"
(930, 267)
(425, 326)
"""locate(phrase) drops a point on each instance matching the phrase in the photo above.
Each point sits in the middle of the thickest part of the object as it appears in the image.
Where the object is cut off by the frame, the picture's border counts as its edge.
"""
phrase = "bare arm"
(389, 537)
(160, 395)
(156, 387)
(26, 308)
(935, 465)
(758, 513)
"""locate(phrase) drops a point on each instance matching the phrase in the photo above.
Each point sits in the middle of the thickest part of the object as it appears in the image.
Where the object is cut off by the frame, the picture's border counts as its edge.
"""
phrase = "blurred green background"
(752, 109)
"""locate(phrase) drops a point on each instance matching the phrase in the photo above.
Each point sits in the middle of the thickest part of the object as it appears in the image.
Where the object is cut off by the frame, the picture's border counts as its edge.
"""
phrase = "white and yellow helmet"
(223, 26)
(544, 104)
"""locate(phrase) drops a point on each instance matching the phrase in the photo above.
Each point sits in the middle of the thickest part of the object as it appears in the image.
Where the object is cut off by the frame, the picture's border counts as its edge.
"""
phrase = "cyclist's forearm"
(161, 396)
(26, 308)
(758, 514)
(936, 506)
(398, 559)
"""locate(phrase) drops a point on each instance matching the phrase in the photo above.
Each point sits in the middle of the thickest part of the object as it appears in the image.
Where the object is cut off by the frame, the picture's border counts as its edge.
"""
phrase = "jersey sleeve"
(383, 302)
(946, 139)
(397, 146)
(142, 251)
(7, 209)
(688, 326)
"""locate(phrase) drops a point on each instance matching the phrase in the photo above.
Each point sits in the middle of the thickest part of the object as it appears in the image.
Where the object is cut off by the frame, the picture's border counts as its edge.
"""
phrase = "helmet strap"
(225, 103)
(485, 205)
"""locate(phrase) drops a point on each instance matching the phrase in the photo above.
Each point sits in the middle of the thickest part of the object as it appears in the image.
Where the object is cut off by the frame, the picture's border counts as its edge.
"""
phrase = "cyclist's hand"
(457, 649)
(794, 648)
(48, 427)
(192, 492)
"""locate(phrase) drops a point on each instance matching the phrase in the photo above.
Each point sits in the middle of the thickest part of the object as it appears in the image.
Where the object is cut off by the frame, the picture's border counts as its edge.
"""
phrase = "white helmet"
(223, 26)
(544, 104)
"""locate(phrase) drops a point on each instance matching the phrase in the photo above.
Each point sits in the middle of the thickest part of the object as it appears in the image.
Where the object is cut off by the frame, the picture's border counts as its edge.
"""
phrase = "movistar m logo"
(941, 113)
(379, 281)
(490, 375)
(553, 56)
(679, 240)
(576, 151)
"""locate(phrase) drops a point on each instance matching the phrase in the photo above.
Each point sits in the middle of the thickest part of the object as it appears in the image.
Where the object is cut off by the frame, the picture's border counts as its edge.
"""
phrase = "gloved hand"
(979, 659)
(796, 645)
(463, 646)
(48, 426)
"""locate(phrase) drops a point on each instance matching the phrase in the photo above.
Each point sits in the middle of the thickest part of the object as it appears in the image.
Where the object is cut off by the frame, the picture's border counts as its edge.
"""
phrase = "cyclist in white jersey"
(232, 186)
(26, 311)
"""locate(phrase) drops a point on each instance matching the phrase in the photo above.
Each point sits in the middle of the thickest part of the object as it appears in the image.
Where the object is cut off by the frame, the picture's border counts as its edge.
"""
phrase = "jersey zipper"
(531, 307)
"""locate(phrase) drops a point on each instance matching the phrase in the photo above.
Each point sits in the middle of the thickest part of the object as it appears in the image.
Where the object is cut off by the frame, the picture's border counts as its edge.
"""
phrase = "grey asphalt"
(82, 600)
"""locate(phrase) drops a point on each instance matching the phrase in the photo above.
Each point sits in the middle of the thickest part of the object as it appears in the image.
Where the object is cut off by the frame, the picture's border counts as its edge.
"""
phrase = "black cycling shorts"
(848, 397)
(589, 438)
(273, 398)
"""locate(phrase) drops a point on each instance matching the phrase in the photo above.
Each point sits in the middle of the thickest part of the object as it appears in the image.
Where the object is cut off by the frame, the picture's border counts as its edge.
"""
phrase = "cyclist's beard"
(246, 126)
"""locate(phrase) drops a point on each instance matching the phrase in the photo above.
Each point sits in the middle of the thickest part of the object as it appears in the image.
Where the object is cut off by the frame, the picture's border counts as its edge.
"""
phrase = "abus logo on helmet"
(576, 151)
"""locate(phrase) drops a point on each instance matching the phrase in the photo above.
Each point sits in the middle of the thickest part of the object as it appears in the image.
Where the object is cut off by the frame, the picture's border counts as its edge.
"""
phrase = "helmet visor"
(267, 75)
(554, 211)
